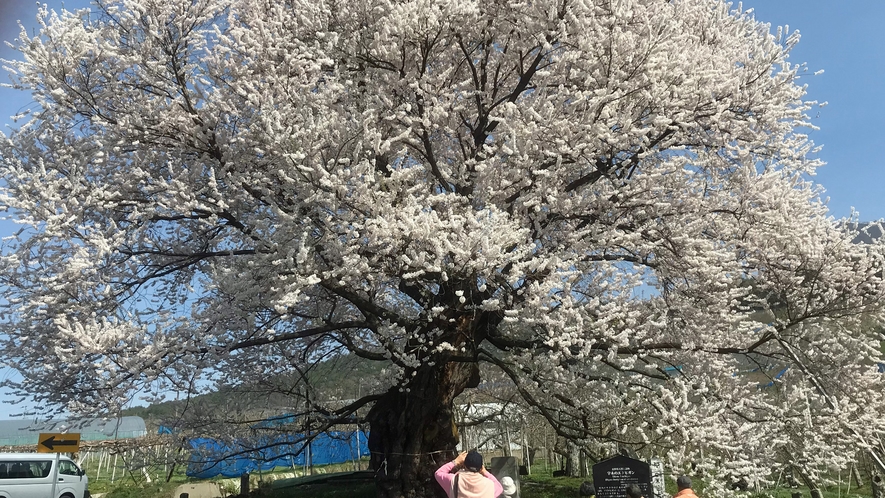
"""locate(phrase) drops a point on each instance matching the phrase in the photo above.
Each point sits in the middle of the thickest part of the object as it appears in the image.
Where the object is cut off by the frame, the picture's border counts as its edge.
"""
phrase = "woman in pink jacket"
(467, 477)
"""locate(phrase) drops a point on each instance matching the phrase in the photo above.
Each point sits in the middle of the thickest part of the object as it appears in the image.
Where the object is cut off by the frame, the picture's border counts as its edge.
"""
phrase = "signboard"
(58, 443)
(502, 467)
(611, 477)
(657, 477)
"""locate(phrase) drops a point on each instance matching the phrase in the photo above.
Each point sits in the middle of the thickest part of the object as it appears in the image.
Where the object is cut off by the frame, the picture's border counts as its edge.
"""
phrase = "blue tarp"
(776, 377)
(210, 457)
(278, 421)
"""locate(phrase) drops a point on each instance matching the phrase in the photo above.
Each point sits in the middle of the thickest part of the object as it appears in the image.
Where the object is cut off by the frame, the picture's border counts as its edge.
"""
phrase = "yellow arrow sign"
(58, 443)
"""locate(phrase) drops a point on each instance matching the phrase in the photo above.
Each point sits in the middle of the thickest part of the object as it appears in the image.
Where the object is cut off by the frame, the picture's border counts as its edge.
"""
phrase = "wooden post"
(309, 460)
(855, 472)
(352, 459)
(526, 455)
(98, 473)
(507, 452)
(244, 484)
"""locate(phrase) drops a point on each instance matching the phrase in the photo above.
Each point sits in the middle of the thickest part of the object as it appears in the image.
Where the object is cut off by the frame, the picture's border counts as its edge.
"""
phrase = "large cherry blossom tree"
(607, 201)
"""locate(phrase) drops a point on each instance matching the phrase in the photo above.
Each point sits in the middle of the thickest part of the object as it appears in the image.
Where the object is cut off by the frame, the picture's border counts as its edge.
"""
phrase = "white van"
(29, 475)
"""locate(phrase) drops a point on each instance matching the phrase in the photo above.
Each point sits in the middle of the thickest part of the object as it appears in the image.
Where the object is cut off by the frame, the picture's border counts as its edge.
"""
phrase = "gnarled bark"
(413, 431)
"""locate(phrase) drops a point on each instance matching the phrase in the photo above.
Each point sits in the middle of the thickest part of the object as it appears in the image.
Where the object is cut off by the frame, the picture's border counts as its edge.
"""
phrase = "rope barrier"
(383, 465)
(409, 454)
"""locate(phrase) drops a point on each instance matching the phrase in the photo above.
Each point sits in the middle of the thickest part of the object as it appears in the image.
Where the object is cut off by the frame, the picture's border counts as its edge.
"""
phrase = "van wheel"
(67, 495)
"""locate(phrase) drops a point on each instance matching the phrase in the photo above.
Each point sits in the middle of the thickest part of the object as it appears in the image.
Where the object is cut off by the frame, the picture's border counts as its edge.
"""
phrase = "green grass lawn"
(540, 484)
(558, 487)
(831, 492)
(153, 490)
(353, 490)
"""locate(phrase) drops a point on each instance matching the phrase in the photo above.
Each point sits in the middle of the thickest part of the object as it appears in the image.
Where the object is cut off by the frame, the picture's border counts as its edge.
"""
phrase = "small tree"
(222, 192)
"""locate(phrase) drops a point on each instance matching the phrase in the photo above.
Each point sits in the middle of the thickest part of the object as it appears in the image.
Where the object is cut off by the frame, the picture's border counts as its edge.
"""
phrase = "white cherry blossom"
(608, 201)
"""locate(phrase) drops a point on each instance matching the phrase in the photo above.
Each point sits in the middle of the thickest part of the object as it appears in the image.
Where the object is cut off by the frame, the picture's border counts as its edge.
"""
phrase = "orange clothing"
(686, 493)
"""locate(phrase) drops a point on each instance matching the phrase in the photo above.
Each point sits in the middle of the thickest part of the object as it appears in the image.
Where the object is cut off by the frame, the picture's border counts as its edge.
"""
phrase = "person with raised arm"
(467, 477)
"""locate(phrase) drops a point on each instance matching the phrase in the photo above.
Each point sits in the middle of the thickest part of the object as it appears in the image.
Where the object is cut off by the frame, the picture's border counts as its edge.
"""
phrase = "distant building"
(26, 432)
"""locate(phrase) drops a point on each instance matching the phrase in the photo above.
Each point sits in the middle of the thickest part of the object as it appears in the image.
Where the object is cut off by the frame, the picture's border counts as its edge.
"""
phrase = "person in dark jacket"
(634, 491)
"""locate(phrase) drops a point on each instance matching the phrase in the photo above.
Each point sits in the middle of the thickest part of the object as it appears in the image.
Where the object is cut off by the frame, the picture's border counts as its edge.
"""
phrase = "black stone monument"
(611, 477)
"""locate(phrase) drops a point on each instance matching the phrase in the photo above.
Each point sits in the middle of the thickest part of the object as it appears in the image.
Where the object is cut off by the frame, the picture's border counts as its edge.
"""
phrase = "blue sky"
(847, 40)
(844, 38)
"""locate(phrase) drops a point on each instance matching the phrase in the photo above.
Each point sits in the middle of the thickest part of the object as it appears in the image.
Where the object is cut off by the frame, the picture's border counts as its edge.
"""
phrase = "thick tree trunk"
(413, 431)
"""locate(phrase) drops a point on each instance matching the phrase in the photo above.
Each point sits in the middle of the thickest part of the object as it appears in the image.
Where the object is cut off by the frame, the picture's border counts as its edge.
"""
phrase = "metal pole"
(54, 475)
